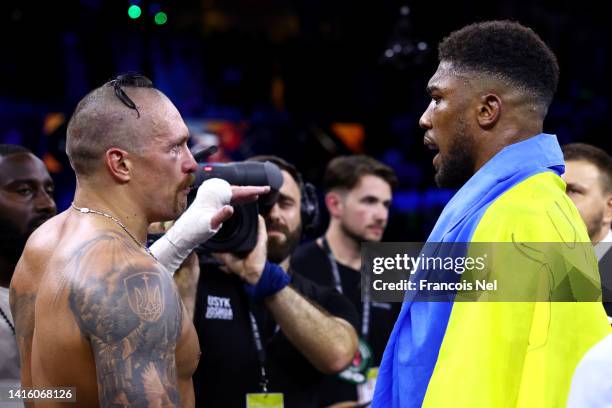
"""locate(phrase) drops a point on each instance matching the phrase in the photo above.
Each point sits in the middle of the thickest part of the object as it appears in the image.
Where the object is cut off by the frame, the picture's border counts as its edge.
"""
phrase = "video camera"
(239, 233)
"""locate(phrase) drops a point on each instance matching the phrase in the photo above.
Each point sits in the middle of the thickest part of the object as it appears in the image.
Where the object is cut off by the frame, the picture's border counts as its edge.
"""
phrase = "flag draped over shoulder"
(497, 354)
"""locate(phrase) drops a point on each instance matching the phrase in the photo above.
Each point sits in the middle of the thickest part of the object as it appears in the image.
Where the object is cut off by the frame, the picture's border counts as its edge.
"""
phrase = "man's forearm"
(328, 342)
(186, 280)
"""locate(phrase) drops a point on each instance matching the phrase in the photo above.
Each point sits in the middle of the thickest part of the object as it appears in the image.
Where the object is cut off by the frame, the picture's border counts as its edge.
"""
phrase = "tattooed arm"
(24, 287)
(131, 315)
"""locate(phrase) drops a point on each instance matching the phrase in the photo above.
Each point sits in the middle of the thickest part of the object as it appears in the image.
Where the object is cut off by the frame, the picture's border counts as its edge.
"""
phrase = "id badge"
(265, 400)
(365, 391)
(357, 372)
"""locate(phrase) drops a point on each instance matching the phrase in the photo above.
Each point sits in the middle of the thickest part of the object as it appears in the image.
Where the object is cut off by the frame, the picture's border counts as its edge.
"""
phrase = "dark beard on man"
(594, 223)
(279, 251)
(12, 241)
(458, 165)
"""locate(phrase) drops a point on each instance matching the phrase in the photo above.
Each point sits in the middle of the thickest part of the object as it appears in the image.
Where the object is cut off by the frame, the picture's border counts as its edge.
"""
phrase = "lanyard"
(261, 352)
(365, 320)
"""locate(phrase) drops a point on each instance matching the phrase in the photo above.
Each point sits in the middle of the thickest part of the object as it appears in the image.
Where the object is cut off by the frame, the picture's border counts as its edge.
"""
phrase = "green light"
(134, 11)
(160, 18)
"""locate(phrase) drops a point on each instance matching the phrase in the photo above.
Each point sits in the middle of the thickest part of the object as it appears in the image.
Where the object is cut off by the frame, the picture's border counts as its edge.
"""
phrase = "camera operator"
(264, 331)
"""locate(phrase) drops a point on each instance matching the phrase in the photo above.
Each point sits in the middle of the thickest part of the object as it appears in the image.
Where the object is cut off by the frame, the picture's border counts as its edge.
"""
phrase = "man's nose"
(382, 213)
(274, 213)
(190, 165)
(44, 202)
(425, 120)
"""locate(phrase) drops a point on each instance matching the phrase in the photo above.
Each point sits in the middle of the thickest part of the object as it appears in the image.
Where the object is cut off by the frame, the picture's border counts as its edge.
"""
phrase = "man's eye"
(285, 203)
(24, 191)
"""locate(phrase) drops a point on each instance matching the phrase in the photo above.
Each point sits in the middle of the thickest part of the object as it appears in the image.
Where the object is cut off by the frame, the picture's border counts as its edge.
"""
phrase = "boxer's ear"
(489, 110)
(119, 164)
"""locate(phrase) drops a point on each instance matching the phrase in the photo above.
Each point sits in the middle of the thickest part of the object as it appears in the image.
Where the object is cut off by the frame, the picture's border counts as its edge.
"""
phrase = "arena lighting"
(160, 18)
(134, 11)
(403, 49)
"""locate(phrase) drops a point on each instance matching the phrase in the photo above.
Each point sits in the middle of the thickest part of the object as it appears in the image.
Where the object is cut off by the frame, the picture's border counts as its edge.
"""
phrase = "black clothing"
(229, 367)
(605, 273)
(313, 262)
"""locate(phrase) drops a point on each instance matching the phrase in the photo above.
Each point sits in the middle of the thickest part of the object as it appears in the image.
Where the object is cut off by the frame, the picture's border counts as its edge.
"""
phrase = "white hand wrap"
(193, 227)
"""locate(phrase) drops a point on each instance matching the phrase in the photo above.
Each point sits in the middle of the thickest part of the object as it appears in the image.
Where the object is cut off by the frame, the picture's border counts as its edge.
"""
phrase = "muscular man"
(86, 281)
(305, 330)
(358, 193)
(489, 97)
(26, 201)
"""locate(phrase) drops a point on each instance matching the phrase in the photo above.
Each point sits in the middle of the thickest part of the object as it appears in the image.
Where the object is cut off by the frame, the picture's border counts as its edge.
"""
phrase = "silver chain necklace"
(86, 210)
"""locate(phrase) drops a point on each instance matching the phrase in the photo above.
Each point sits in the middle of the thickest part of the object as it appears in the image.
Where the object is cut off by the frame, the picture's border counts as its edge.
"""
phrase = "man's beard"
(458, 165)
(279, 251)
(353, 235)
(13, 240)
(594, 224)
(181, 203)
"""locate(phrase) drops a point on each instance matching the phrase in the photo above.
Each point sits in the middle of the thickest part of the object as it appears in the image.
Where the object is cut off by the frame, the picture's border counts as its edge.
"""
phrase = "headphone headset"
(309, 208)
(309, 204)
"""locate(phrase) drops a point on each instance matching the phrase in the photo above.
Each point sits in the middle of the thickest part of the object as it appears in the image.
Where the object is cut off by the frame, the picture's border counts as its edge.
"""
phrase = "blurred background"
(304, 79)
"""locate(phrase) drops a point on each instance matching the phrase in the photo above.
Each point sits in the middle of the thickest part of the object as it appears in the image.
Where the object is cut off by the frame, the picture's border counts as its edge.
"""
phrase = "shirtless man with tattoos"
(93, 307)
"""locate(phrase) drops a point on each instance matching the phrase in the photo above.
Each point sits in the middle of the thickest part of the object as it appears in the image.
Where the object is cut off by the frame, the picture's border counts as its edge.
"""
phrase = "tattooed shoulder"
(126, 305)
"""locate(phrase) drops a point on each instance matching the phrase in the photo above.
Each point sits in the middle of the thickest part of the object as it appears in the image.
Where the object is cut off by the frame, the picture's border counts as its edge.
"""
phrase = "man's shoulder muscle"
(127, 306)
(114, 275)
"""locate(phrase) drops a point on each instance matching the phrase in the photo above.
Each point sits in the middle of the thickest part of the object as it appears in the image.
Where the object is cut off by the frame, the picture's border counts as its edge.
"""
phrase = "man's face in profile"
(166, 168)
(26, 200)
(283, 222)
(447, 131)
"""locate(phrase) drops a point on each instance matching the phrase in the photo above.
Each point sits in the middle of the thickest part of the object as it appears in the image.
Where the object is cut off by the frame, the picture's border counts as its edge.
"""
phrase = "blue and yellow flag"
(496, 354)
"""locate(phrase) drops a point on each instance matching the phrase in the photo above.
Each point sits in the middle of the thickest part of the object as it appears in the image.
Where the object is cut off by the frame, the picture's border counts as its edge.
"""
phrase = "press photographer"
(263, 329)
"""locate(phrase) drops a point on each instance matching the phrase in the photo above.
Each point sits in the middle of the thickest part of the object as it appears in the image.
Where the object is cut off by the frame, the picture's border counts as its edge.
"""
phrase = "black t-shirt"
(605, 273)
(229, 367)
(312, 261)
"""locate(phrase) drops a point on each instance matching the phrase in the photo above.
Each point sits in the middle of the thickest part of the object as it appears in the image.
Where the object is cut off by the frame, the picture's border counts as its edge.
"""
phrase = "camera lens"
(231, 227)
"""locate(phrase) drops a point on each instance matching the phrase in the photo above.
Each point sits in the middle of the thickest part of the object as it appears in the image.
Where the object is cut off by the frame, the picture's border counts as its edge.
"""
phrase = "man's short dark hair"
(594, 155)
(98, 122)
(345, 172)
(506, 50)
(282, 164)
(8, 149)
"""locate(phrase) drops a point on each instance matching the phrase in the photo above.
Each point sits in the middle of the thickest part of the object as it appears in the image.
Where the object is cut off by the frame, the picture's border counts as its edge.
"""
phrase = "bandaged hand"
(203, 219)
(199, 222)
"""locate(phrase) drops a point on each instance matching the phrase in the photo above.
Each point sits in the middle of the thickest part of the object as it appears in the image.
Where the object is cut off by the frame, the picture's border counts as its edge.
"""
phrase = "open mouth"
(431, 145)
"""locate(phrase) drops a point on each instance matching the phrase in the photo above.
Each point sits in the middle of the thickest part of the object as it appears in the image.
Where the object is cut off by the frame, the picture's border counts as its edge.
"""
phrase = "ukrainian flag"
(498, 354)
